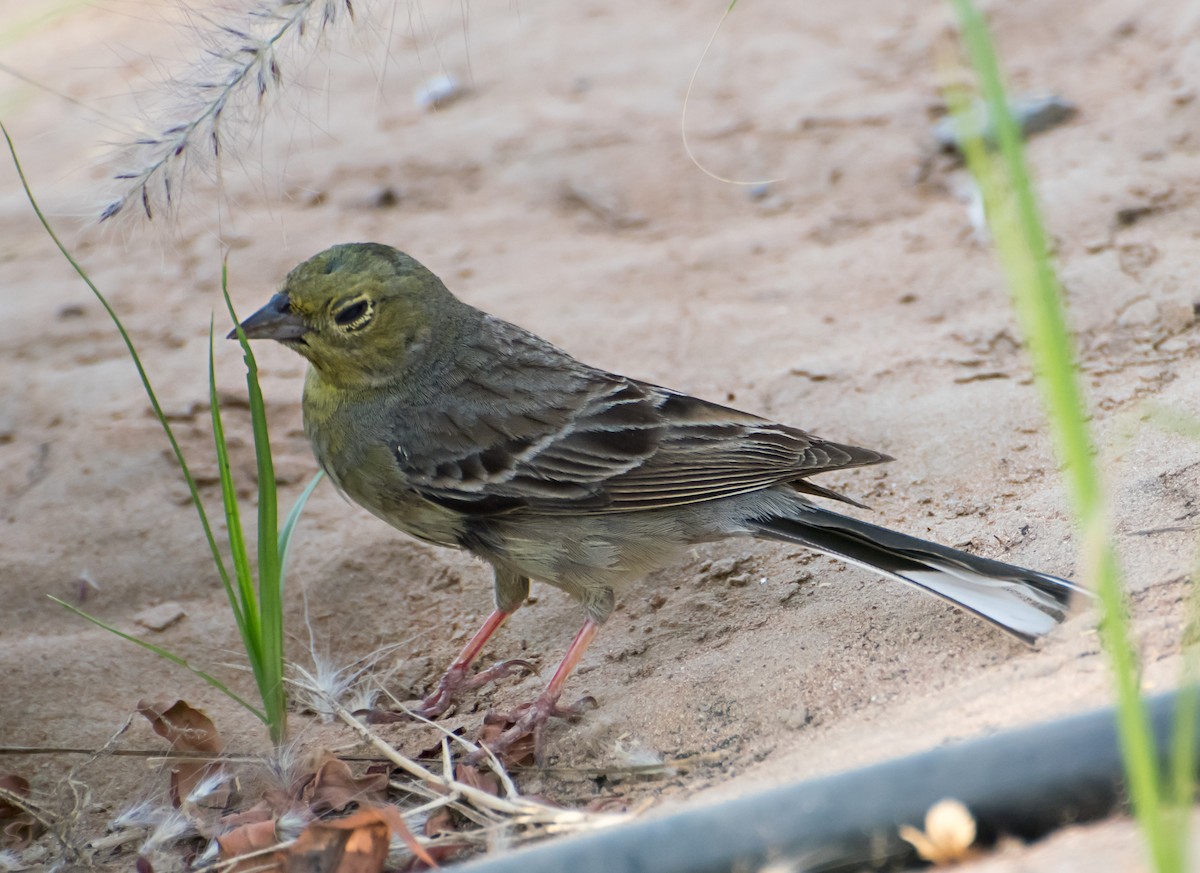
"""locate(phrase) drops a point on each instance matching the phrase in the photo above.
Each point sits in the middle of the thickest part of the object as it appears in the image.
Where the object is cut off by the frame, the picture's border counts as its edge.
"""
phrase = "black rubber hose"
(1023, 783)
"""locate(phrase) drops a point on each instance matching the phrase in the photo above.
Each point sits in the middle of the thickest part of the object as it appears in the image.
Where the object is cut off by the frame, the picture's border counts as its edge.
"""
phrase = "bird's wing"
(536, 430)
(707, 451)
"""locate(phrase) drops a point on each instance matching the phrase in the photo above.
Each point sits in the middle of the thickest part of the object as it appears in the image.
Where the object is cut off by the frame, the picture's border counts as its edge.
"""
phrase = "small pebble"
(385, 198)
(161, 617)
(1032, 114)
(439, 92)
(759, 192)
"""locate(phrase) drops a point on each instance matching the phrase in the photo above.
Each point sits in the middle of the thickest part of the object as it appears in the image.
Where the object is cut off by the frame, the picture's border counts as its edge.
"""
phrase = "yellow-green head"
(363, 314)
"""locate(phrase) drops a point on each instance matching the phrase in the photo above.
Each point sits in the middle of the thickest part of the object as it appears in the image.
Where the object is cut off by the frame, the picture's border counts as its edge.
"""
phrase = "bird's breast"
(354, 445)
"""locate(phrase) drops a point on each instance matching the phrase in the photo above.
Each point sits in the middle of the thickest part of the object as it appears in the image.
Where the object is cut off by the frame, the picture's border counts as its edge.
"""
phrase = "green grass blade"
(243, 598)
(137, 361)
(168, 655)
(270, 569)
(263, 650)
(247, 605)
(1183, 747)
(1023, 249)
(262, 626)
(289, 523)
(1039, 299)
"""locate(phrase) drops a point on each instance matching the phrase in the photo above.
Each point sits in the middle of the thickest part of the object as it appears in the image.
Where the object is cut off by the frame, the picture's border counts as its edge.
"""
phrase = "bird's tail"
(1023, 602)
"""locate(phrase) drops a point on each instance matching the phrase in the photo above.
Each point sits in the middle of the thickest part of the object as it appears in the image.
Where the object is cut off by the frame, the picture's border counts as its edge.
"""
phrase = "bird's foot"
(455, 681)
(509, 735)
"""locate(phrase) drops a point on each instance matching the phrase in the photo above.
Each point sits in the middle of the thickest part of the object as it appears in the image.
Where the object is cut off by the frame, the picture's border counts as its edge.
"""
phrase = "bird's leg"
(455, 679)
(532, 717)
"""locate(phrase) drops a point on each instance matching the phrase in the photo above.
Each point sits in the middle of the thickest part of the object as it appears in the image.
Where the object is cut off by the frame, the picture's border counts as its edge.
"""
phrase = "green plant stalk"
(1024, 253)
(247, 602)
(1182, 772)
(1183, 730)
(259, 615)
(270, 563)
(241, 597)
(293, 518)
(193, 491)
(166, 654)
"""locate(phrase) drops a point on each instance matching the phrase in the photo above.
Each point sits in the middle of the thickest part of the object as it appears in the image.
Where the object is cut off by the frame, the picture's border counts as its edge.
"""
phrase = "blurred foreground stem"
(1024, 253)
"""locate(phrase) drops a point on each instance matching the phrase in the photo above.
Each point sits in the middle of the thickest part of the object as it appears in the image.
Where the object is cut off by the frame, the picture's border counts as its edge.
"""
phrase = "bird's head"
(363, 314)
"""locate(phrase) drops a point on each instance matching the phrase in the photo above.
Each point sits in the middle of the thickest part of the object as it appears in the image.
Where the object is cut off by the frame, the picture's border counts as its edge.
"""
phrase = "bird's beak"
(274, 321)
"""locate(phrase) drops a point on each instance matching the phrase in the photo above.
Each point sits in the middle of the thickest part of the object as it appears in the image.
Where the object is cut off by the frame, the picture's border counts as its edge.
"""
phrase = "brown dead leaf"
(395, 821)
(440, 822)
(190, 732)
(20, 828)
(22, 831)
(280, 800)
(476, 777)
(334, 786)
(13, 784)
(357, 843)
(246, 838)
(187, 729)
(434, 752)
(520, 752)
(255, 814)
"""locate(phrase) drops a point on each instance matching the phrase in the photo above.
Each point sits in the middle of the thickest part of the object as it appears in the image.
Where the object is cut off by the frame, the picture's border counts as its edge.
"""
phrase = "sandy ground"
(846, 298)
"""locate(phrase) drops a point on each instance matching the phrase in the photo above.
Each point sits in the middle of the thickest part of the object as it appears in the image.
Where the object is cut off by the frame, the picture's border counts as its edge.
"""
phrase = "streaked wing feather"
(568, 438)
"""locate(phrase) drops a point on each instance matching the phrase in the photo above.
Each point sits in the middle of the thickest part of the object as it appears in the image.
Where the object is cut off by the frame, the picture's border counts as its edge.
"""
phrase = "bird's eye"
(354, 315)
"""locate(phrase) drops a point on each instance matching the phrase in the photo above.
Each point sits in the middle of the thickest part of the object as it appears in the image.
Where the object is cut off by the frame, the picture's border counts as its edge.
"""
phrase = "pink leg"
(455, 678)
(532, 717)
(571, 659)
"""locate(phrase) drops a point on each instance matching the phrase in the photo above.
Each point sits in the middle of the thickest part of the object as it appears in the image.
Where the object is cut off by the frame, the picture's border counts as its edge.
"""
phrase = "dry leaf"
(247, 838)
(187, 729)
(484, 780)
(434, 752)
(948, 835)
(520, 752)
(440, 822)
(20, 827)
(255, 814)
(21, 832)
(190, 732)
(357, 843)
(13, 784)
(395, 821)
(334, 787)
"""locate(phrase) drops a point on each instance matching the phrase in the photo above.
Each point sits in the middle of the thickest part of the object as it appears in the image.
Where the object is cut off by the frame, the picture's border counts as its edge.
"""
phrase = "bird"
(469, 432)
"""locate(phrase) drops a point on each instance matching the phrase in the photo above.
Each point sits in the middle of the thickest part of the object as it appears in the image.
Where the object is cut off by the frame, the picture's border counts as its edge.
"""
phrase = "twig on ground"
(520, 810)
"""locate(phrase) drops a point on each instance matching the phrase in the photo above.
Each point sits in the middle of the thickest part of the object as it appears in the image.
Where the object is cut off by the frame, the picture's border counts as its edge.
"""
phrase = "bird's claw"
(455, 681)
(527, 719)
(500, 670)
